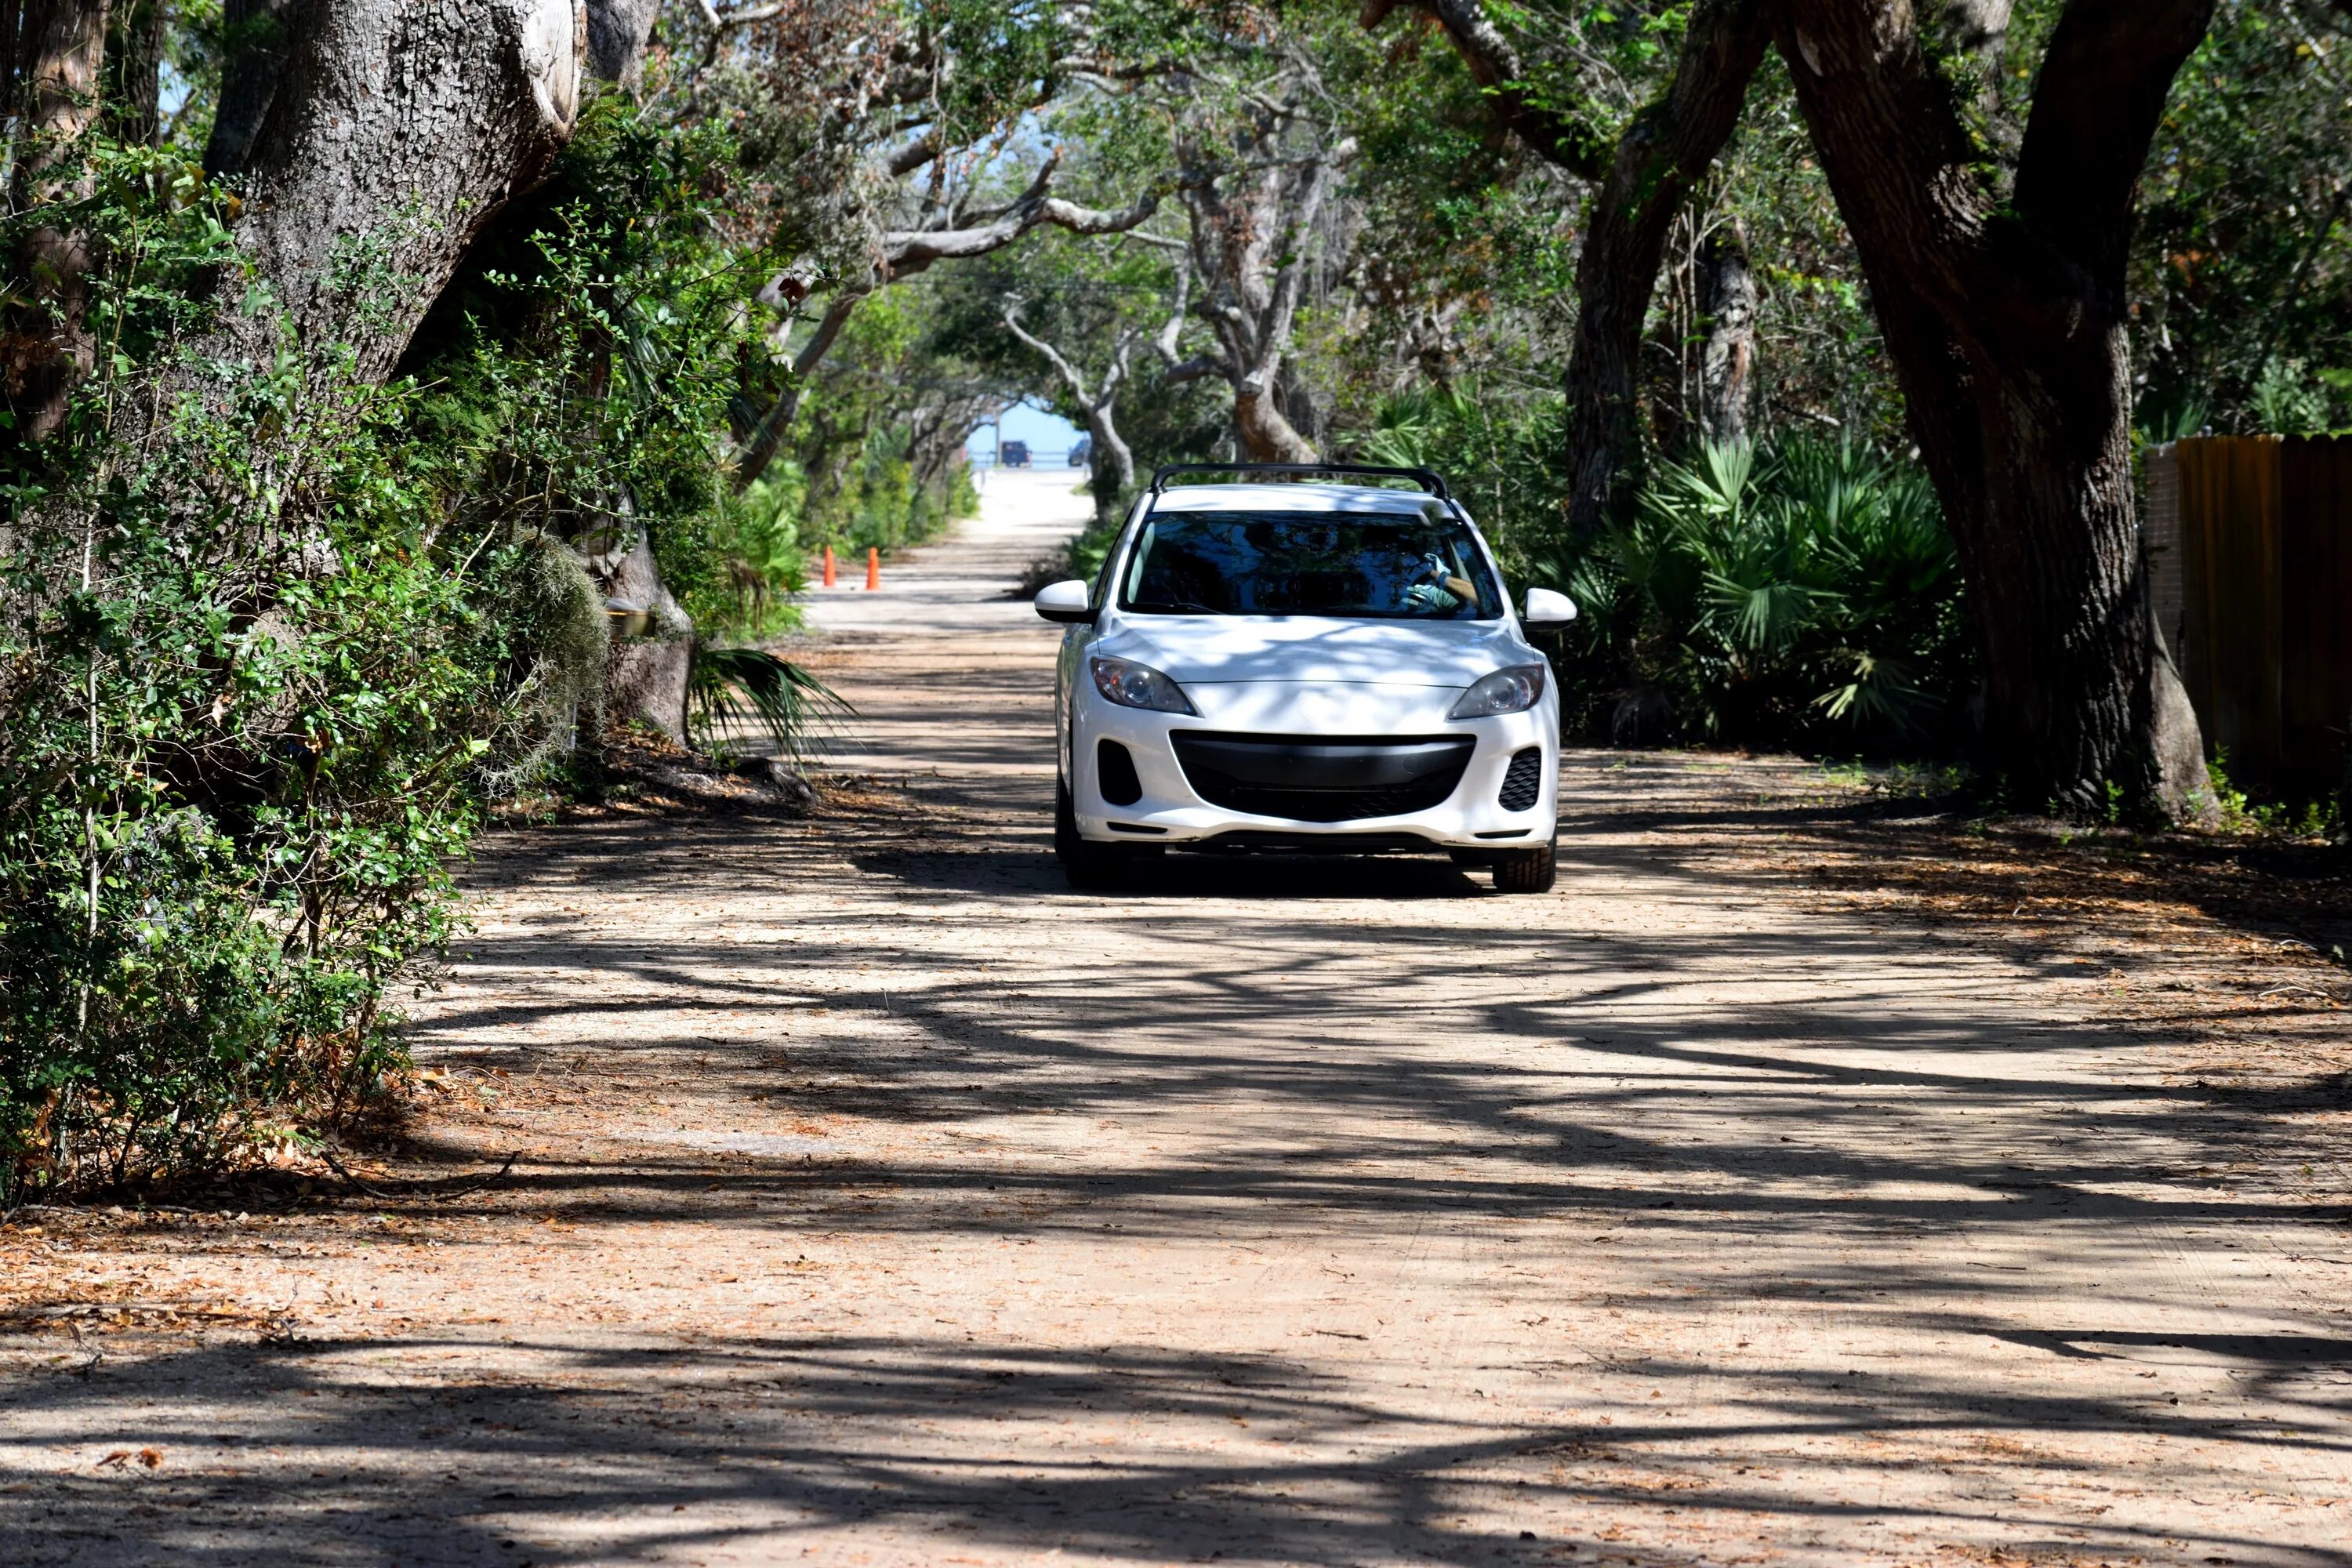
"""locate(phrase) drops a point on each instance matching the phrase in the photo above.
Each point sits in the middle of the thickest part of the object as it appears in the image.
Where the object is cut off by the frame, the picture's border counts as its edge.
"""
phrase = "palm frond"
(754, 688)
(1881, 692)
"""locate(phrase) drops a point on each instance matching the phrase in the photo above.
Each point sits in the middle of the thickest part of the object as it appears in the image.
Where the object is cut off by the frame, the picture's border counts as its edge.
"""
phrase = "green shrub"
(1800, 594)
(270, 636)
(1500, 456)
(757, 538)
(251, 695)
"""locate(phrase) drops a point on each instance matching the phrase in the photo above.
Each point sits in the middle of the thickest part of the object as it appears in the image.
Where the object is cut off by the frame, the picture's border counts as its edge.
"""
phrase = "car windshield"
(1390, 566)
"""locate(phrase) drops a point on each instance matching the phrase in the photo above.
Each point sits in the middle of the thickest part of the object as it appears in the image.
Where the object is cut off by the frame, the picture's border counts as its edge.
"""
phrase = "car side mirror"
(1066, 603)
(1547, 608)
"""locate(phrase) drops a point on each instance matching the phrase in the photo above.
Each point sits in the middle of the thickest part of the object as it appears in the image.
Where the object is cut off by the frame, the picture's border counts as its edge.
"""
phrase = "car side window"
(1101, 595)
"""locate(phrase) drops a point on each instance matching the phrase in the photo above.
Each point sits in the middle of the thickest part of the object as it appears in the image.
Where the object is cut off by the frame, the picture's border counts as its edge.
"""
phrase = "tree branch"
(1274, 342)
(913, 155)
(1666, 149)
(908, 251)
(1121, 354)
(1165, 343)
(2103, 80)
(719, 21)
(766, 437)
(1577, 147)
(828, 328)
(1062, 367)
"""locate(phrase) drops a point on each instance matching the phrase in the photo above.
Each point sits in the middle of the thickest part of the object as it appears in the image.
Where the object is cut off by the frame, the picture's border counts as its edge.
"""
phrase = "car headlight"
(1133, 685)
(1512, 690)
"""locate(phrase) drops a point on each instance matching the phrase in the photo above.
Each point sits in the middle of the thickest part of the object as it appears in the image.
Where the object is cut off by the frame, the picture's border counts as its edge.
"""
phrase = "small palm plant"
(752, 688)
(1782, 588)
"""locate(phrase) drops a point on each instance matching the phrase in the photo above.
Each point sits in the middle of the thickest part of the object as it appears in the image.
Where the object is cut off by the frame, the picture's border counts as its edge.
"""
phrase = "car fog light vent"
(1522, 782)
(1115, 774)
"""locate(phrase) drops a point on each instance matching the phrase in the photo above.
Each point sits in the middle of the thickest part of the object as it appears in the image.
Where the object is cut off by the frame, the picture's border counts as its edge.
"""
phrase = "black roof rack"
(1421, 477)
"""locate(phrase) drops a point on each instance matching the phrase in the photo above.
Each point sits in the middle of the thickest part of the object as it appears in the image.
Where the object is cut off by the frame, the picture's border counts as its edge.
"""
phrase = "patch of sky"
(1048, 436)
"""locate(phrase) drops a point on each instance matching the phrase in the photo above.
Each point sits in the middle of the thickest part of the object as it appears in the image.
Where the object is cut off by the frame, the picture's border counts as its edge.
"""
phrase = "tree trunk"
(253, 33)
(394, 132)
(618, 32)
(2006, 322)
(1266, 437)
(1110, 469)
(59, 47)
(1254, 223)
(1661, 153)
(1111, 462)
(1664, 152)
(1727, 300)
(58, 51)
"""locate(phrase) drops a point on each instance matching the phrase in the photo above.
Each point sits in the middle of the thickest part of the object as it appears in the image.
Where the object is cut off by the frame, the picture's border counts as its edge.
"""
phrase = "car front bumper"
(1171, 811)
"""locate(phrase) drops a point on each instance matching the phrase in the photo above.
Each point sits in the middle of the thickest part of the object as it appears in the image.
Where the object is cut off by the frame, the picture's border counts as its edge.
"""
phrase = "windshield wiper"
(1180, 607)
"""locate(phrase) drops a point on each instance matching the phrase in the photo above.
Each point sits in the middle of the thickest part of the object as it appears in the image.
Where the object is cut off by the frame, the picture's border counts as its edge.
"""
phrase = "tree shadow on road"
(1841, 1122)
(552, 1452)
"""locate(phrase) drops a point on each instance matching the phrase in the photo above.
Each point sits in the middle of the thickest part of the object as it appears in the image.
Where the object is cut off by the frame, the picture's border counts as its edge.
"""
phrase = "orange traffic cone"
(828, 566)
(872, 568)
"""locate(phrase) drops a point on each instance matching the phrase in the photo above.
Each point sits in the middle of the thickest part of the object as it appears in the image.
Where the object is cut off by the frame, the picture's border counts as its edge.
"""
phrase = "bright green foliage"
(879, 447)
(757, 538)
(1500, 456)
(579, 371)
(252, 686)
(265, 666)
(2242, 272)
(1802, 591)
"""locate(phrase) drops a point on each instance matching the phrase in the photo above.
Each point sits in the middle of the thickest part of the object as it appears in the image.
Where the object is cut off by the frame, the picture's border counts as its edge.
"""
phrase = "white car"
(1274, 665)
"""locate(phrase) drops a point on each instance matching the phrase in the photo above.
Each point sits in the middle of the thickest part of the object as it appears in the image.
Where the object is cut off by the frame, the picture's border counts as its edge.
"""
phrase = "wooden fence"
(2249, 541)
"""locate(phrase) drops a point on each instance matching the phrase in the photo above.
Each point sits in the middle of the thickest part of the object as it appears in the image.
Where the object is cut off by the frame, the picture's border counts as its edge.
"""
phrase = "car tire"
(1091, 868)
(1527, 871)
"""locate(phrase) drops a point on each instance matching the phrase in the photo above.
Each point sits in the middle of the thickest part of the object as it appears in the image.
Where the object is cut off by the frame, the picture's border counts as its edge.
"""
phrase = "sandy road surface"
(883, 1202)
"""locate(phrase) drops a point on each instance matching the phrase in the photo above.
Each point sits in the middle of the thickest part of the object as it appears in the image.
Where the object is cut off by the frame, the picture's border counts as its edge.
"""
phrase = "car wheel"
(1091, 868)
(1526, 871)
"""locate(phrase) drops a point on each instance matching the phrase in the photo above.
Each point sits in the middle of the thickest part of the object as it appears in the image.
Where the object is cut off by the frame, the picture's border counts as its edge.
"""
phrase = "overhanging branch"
(1576, 146)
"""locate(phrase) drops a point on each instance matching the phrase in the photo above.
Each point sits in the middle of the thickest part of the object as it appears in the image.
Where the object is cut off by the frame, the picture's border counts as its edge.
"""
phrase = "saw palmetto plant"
(750, 689)
(1801, 589)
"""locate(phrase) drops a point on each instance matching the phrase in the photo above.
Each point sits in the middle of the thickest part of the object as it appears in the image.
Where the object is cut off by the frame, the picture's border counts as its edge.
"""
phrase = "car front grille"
(1316, 778)
(1522, 780)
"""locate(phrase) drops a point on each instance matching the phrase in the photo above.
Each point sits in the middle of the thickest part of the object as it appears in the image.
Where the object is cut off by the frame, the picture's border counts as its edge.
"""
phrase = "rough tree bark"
(1727, 302)
(392, 133)
(1640, 183)
(2006, 322)
(58, 50)
(254, 32)
(618, 32)
(1112, 465)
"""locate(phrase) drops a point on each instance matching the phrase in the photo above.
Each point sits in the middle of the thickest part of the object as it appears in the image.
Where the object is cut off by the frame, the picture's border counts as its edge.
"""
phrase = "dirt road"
(880, 1201)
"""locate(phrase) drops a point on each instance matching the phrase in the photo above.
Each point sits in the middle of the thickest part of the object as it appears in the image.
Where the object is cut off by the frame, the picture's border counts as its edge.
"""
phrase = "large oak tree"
(1997, 276)
(372, 139)
(2005, 315)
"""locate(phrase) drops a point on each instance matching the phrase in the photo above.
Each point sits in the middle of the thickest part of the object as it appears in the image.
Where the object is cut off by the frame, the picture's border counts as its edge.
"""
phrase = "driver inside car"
(1438, 591)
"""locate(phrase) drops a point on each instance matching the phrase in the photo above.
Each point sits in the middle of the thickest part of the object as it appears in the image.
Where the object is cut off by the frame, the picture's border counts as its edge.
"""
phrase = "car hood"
(1211, 649)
